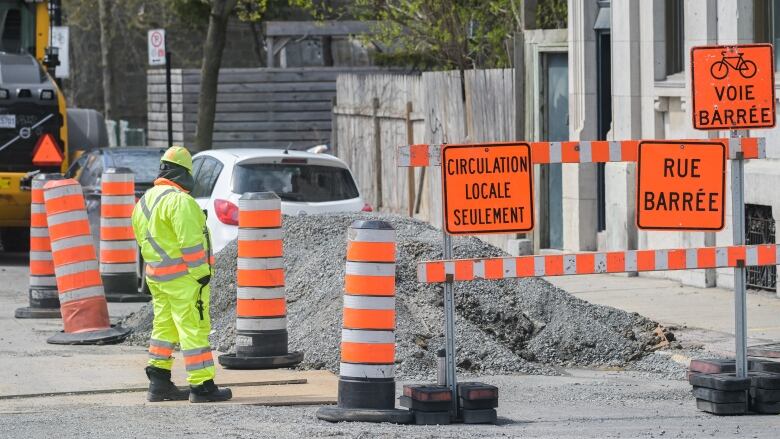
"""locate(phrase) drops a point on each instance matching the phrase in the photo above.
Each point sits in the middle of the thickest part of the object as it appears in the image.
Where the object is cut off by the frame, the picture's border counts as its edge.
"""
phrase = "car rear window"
(144, 164)
(295, 182)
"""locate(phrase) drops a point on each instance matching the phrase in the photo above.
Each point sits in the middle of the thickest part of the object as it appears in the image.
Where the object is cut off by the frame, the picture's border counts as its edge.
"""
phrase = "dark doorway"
(555, 128)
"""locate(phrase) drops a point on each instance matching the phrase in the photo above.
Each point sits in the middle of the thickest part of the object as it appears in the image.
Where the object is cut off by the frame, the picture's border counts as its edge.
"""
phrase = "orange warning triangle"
(46, 152)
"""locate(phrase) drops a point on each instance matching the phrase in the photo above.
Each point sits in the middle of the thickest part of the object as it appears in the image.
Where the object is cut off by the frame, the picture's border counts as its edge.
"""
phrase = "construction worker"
(171, 231)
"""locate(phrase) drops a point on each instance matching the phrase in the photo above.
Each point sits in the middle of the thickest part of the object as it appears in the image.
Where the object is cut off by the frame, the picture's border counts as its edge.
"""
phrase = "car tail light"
(367, 208)
(294, 161)
(227, 212)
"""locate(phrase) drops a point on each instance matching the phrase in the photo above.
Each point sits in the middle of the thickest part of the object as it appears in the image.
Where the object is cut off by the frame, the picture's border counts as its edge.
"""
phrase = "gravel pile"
(507, 326)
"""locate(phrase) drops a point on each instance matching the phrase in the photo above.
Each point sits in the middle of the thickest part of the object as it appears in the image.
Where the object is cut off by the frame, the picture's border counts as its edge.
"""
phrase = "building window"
(675, 36)
(766, 24)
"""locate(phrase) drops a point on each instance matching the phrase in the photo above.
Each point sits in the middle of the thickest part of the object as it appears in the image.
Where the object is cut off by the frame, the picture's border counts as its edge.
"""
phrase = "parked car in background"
(307, 183)
(88, 171)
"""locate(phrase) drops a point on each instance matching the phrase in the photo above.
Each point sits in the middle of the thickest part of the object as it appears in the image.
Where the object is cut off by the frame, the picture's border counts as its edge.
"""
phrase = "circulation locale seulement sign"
(681, 185)
(733, 87)
(488, 188)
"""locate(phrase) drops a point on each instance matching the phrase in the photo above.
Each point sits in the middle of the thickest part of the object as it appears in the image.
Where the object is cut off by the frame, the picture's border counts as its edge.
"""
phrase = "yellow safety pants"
(177, 319)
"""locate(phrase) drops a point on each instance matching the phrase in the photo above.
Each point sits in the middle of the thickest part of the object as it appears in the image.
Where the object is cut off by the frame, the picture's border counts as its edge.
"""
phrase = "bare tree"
(105, 51)
(209, 72)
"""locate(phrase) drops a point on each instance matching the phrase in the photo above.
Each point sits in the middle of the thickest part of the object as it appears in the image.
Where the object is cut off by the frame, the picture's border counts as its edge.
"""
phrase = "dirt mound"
(513, 325)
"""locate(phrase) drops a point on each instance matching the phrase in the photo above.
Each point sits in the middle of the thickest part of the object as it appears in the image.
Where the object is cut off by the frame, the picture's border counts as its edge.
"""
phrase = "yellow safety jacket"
(171, 230)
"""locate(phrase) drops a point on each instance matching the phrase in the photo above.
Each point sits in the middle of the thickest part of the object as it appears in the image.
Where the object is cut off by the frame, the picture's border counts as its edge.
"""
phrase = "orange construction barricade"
(82, 301)
(261, 312)
(367, 371)
(44, 303)
(118, 249)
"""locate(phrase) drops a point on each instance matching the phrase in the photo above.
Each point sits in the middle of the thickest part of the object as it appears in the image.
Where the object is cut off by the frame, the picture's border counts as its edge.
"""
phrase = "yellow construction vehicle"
(34, 120)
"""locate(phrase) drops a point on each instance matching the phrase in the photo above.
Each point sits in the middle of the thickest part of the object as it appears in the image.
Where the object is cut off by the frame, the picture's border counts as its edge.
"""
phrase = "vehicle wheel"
(16, 240)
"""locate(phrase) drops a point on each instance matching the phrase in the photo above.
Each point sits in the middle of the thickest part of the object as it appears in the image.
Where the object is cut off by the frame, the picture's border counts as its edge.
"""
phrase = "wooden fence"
(377, 112)
(258, 107)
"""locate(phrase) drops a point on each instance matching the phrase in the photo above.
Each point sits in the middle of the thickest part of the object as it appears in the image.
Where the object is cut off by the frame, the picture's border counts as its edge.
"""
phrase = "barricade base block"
(123, 287)
(477, 404)
(431, 418)
(712, 365)
(720, 396)
(424, 406)
(485, 416)
(111, 335)
(365, 401)
(764, 395)
(763, 365)
(28, 312)
(765, 380)
(766, 408)
(44, 304)
(723, 381)
(232, 361)
(737, 408)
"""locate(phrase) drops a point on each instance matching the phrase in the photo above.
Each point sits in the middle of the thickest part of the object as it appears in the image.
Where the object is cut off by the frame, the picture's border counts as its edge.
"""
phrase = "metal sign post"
(168, 97)
(733, 87)
(159, 56)
(740, 294)
(449, 328)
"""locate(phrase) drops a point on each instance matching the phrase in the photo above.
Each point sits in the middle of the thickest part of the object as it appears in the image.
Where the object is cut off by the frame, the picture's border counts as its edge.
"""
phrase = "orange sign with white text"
(487, 188)
(681, 185)
(733, 87)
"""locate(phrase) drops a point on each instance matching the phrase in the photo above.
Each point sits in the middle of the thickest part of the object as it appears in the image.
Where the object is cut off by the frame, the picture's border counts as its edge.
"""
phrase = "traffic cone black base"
(127, 298)
(114, 334)
(123, 288)
(231, 361)
(338, 414)
(29, 312)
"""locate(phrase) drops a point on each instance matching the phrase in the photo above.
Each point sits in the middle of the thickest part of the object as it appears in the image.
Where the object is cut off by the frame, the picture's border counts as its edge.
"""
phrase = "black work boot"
(209, 392)
(161, 388)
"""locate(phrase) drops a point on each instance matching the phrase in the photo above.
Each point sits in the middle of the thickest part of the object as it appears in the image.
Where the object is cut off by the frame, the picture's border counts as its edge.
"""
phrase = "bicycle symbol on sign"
(745, 67)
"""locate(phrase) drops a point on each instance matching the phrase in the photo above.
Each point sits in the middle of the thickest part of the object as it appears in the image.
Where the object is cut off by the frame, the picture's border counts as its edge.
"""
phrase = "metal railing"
(760, 229)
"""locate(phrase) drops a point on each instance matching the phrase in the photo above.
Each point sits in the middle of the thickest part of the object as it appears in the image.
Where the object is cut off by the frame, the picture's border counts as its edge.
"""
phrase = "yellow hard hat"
(178, 155)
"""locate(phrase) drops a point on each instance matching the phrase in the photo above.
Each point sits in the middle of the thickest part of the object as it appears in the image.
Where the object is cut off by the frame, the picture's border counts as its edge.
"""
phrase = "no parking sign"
(156, 44)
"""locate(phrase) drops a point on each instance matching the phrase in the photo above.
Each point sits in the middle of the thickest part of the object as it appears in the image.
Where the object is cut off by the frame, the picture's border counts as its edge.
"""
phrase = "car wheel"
(16, 240)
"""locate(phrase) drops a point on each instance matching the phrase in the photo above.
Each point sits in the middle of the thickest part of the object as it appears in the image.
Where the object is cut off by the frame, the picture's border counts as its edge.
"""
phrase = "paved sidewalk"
(669, 303)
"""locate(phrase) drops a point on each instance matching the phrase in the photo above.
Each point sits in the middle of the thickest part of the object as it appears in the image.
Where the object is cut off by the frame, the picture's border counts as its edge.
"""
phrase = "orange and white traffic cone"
(82, 300)
(44, 303)
(118, 249)
(367, 371)
(261, 312)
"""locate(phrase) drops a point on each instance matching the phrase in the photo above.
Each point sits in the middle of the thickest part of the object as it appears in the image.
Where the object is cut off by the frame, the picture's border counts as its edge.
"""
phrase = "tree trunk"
(105, 51)
(209, 71)
(257, 44)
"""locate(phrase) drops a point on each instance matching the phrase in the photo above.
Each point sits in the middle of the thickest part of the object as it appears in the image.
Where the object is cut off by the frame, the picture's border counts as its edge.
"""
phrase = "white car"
(307, 184)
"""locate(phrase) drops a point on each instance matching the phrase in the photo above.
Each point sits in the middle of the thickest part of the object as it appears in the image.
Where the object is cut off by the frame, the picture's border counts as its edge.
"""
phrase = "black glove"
(205, 280)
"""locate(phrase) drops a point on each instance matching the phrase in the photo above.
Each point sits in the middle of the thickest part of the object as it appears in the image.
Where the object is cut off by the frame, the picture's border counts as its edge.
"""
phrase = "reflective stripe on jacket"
(169, 227)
